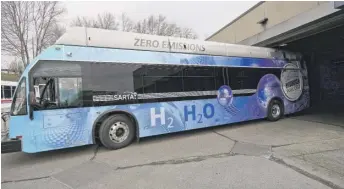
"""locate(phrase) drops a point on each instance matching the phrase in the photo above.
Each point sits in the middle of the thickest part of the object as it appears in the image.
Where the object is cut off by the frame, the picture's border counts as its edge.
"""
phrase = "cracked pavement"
(290, 153)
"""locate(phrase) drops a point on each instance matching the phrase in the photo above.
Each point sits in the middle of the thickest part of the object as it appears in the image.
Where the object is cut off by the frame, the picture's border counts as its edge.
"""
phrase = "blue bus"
(101, 86)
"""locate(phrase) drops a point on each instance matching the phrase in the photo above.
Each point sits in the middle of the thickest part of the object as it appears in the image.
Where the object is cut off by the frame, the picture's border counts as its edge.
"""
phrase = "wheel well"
(102, 117)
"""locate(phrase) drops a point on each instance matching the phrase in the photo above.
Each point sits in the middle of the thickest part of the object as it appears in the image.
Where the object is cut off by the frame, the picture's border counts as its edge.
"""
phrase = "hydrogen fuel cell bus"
(110, 87)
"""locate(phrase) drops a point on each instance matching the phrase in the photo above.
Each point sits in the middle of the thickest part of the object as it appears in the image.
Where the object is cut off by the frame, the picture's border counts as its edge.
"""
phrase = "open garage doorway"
(324, 54)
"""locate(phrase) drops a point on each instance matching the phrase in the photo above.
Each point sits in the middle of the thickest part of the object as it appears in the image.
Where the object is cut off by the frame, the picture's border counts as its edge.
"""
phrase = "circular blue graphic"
(269, 86)
(225, 95)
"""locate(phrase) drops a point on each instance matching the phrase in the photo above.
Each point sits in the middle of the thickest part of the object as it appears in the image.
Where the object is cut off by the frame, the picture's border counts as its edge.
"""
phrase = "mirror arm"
(31, 96)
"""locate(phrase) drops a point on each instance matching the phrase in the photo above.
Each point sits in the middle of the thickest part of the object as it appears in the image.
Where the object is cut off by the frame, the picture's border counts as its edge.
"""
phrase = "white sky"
(204, 17)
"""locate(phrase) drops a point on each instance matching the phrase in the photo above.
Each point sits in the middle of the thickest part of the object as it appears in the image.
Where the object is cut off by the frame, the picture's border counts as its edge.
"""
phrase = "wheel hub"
(119, 132)
(276, 110)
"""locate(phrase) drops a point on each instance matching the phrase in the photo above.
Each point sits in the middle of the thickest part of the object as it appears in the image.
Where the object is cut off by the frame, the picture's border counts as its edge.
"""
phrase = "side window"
(112, 78)
(221, 77)
(248, 78)
(55, 84)
(242, 79)
(19, 106)
(171, 78)
(162, 79)
(199, 78)
(70, 92)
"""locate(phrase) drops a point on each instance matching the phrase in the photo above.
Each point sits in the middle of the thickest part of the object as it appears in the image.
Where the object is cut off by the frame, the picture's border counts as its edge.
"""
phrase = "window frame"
(13, 89)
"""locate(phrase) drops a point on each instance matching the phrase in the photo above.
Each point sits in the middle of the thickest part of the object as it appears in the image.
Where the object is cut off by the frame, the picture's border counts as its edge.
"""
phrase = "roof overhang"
(237, 18)
(322, 18)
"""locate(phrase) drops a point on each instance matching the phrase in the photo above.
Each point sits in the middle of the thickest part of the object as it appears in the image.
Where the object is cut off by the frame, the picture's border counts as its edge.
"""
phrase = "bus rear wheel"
(117, 131)
(275, 110)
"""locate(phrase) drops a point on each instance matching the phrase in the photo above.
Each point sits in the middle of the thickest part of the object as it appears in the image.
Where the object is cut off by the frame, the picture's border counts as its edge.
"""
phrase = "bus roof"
(79, 36)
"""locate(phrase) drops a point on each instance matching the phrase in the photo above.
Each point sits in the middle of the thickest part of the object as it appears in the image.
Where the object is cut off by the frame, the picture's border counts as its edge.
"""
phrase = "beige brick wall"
(276, 11)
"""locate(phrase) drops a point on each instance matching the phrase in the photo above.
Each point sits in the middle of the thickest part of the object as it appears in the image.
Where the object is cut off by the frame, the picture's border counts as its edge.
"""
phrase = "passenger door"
(60, 123)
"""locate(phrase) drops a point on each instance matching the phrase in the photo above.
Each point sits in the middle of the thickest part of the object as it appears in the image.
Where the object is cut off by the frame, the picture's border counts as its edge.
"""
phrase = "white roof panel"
(125, 40)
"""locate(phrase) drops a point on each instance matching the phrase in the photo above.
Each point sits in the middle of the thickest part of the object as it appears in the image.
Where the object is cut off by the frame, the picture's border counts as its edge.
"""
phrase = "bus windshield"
(19, 100)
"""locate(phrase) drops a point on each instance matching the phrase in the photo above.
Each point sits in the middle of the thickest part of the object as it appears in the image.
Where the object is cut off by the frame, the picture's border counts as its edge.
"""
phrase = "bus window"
(162, 79)
(198, 79)
(70, 90)
(7, 92)
(12, 90)
(45, 97)
(111, 78)
(248, 78)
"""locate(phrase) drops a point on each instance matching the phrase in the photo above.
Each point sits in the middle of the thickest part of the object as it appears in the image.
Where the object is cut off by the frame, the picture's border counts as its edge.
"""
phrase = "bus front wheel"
(117, 131)
(275, 110)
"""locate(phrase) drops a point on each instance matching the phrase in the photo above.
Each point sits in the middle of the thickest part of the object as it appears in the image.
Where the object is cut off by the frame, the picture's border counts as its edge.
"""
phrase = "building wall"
(276, 12)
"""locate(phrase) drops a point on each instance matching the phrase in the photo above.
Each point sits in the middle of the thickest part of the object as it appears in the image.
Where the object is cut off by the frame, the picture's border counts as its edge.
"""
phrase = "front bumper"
(9, 146)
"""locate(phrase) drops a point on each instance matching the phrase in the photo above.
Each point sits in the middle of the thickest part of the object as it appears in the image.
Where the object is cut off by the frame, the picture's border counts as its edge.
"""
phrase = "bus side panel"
(168, 117)
(61, 128)
(64, 128)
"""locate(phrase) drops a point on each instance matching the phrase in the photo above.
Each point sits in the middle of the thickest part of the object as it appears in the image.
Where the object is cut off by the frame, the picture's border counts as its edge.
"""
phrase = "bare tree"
(154, 25)
(14, 29)
(16, 67)
(84, 22)
(44, 18)
(127, 24)
(187, 33)
(160, 26)
(107, 21)
(141, 27)
(104, 21)
(29, 27)
(55, 32)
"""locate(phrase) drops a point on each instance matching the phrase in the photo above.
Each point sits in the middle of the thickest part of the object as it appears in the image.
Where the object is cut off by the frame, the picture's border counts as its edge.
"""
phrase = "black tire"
(104, 131)
(272, 115)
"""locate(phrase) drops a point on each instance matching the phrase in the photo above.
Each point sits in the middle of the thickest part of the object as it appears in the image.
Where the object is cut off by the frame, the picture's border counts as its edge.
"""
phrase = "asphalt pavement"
(291, 153)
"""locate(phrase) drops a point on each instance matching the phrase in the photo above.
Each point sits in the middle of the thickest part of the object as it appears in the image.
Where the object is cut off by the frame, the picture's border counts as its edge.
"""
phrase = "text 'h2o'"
(208, 112)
